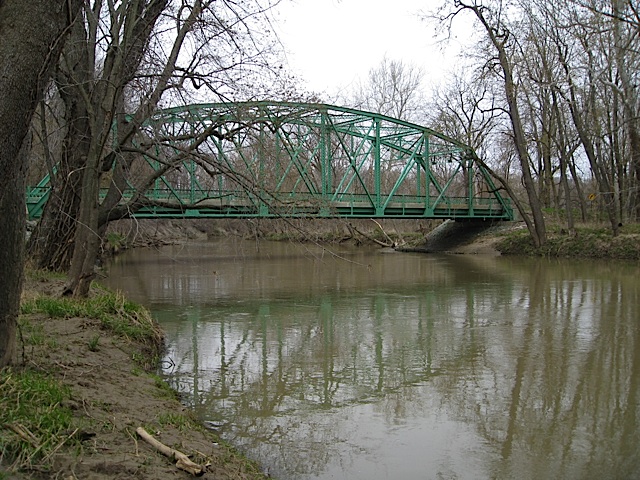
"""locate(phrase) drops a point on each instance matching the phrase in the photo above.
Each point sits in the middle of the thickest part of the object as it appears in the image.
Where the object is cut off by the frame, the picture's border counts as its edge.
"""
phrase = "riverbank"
(72, 408)
(83, 386)
(586, 241)
(125, 234)
(512, 238)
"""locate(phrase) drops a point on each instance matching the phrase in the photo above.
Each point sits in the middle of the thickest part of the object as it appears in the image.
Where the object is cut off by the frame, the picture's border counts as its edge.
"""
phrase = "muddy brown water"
(366, 364)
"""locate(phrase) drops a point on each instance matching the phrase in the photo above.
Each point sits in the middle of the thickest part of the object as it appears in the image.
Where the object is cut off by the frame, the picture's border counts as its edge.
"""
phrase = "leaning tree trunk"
(118, 69)
(51, 243)
(537, 229)
(30, 41)
(87, 239)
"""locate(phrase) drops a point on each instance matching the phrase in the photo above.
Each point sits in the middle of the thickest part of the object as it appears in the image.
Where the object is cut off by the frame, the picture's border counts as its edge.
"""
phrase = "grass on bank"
(586, 242)
(116, 314)
(34, 424)
(34, 421)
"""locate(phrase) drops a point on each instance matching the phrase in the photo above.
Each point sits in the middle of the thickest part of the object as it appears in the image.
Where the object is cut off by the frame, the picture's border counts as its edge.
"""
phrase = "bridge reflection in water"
(277, 159)
(400, 365)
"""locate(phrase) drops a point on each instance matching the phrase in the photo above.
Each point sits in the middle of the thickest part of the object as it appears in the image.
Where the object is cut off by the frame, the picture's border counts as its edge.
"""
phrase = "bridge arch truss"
(280, 159)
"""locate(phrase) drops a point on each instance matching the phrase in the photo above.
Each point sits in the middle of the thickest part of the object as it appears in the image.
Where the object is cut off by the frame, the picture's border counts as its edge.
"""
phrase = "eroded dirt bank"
(109, 395)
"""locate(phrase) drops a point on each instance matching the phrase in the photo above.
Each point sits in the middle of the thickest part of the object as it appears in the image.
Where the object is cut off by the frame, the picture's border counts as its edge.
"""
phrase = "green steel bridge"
(281, 159)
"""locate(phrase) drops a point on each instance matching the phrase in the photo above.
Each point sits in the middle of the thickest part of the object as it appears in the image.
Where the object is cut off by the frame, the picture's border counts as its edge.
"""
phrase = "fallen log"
(182, 461)
(369, 237)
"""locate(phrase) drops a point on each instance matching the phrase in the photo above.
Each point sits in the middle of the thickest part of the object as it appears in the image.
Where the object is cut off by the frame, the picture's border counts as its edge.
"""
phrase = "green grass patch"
(631, 228)
(116, 314)
(32, 334)
(53, 307)
(33, 422)
(181, 421)
(94, 343)
(163, 388)
(588, 242)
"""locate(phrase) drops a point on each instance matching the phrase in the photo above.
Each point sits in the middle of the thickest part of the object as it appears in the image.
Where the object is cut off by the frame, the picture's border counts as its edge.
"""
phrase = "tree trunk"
(538, 232)
(51, 244)
(631, 116)
(87, 239)
(12, 238)
(30, 42)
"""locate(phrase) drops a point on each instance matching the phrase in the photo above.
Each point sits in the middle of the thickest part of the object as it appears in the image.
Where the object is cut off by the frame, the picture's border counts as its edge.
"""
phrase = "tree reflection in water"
(455, 367)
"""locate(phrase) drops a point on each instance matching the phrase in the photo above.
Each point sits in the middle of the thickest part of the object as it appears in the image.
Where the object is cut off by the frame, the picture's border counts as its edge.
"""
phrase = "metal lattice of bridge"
(280, 159)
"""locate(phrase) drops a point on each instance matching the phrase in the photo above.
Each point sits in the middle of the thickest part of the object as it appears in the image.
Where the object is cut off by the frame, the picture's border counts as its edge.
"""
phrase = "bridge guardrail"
(176, 202)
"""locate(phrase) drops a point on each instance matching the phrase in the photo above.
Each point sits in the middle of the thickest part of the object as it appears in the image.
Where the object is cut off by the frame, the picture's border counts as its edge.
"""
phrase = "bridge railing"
(173, 202)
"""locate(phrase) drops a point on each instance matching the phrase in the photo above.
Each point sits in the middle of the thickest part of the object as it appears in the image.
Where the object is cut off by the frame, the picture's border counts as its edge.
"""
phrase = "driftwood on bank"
(182, 461)
(390, 243)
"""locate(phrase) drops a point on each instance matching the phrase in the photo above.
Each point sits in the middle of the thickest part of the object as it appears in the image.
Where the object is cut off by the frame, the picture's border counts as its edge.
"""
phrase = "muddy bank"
(144, 233)
(106, 373)
(512, 238)
(428, 236)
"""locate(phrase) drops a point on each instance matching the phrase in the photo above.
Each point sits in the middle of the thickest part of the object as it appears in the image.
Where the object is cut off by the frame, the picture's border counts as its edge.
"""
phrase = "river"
(344, 363)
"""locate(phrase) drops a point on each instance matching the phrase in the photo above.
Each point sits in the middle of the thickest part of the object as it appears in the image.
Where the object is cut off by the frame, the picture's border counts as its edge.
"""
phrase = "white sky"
(332, 43)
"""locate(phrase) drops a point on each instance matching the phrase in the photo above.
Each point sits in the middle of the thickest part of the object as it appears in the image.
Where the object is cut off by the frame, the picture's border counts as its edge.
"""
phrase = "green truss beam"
(282, 159)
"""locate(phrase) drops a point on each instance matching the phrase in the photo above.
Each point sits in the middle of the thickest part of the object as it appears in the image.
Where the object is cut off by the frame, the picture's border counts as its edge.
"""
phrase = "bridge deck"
(187, 204)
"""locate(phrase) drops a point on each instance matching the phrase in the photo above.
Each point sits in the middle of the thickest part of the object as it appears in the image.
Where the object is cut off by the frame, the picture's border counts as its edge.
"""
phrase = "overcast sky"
(332, 43)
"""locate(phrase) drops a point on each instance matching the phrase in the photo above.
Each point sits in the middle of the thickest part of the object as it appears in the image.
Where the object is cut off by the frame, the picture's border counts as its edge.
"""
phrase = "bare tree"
(626, 38)
(501, 59)
(31, 34)
(121, 63)
(393, 89)
(568, 73)
(465, 109)
(582, 67)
